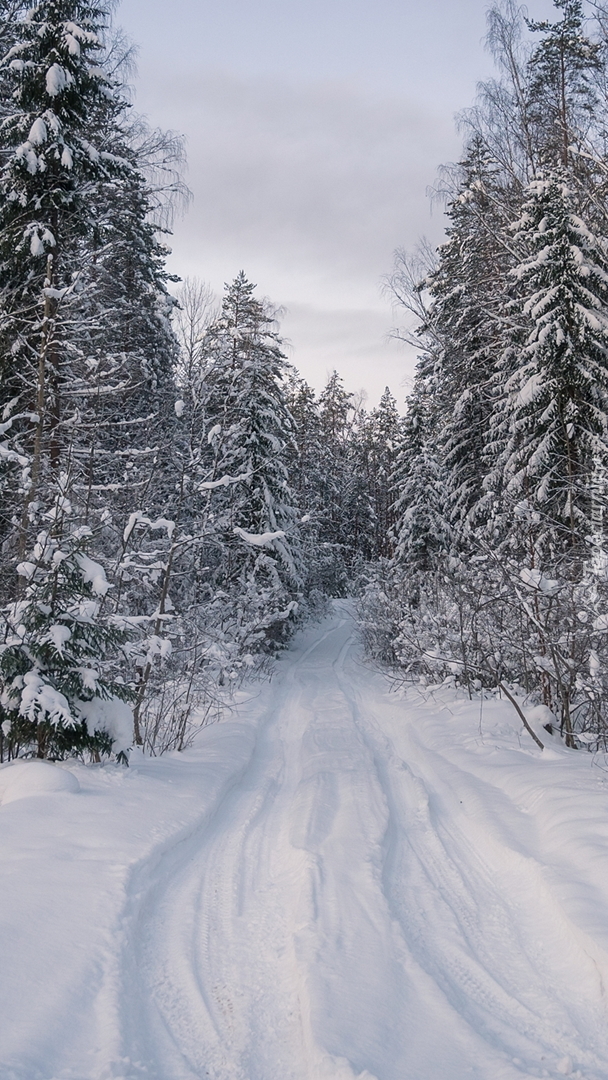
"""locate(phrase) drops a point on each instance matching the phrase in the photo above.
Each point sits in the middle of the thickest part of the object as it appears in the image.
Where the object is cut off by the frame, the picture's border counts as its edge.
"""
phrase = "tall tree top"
(561, 68)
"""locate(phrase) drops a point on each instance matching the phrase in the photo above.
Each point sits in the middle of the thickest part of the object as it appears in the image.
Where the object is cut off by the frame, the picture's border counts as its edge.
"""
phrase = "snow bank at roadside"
(22, 779)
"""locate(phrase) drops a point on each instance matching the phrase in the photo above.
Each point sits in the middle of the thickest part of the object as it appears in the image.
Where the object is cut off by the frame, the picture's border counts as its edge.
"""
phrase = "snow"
(38, 132)
(534, 579)
(111, 715)
(337, 882)
(138, 518)
(72, 44)
(24, 779)
(59, 635)
(531, 389)
(224, 481)
(42, 703)
(258, 539)
(36, 245)
(94, 574)
(57, 78)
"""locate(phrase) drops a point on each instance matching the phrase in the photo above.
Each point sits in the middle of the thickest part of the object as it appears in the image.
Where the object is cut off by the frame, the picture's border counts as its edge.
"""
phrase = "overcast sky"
(313, 128)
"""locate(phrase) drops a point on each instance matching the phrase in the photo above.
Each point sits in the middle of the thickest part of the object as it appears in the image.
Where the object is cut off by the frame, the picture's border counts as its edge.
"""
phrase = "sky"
(314, 129)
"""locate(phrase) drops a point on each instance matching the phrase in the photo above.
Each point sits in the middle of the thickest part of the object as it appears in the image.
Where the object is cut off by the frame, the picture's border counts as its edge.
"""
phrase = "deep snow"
(337, 882)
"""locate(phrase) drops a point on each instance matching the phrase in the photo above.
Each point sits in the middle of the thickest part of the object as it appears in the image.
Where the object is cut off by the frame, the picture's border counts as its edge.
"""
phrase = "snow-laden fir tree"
(307, 469)
(386, 427)
(554, 414)
(336, 415)
(422, 534)
(462, 335)
(60, 683)
(249, 433)
(370, 504)
(88, 392)
(57, 151)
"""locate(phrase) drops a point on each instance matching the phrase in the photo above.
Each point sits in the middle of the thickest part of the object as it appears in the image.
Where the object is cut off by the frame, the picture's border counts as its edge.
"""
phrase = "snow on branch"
(224, 481)
(137, 518)
(259, 539)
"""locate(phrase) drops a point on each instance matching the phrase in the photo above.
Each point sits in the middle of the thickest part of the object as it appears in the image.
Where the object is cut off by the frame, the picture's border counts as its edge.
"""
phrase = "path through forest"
(338, 882)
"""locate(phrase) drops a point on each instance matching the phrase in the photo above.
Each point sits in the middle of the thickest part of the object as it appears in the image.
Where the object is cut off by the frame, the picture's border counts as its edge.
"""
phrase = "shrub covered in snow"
(59, 693)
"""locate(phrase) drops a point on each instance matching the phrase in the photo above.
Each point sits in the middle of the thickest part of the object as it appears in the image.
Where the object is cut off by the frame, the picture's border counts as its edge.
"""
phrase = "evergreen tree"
(555, 415)
(58, 660)
(386, 428)
(72, 200)
(249, 432)
(463, 334)
(85, 328)
(562, 91)
(336, 414)
(422, 534)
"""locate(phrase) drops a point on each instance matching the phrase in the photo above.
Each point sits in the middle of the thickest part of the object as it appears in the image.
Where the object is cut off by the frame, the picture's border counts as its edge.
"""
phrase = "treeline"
(499, 576)
(174, 498)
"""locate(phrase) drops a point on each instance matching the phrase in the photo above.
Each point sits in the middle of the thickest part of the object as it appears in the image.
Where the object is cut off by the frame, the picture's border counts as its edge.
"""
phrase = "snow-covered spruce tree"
(462, 333)
(253, 547)
(422, 533)
(336, 415)
(385, 428)
(554, 414)
(552, 423)
(304, 457)
(126, 388)
(359, 524)
(60, 687)
(402, 590)
(84, 308)
(307, 471)
(53, 161)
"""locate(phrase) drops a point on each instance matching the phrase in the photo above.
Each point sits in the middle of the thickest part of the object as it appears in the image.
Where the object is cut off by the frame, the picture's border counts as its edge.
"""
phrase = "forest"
(177, 500)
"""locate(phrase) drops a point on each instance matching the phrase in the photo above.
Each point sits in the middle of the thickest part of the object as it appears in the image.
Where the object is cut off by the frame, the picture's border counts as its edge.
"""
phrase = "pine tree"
(386, 427)
(58, 660)
(422, 533)
(57, 147)
(463, 333)
(304, 464)
(562, 91)
(336, 415)
(556, 418)
(249, 432)
(84, 307)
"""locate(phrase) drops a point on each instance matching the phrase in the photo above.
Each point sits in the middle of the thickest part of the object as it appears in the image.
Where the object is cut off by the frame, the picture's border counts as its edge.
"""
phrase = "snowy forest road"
(359, 906)
(339, 882)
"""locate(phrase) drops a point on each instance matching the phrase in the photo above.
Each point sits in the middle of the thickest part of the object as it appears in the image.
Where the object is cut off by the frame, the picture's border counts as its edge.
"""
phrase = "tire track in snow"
(204, 949)
(478, 916)
(342, 916)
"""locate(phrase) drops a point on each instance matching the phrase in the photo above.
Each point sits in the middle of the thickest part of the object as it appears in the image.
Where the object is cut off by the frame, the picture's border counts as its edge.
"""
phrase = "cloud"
(353, 341)
(319, 182)
(309, 188)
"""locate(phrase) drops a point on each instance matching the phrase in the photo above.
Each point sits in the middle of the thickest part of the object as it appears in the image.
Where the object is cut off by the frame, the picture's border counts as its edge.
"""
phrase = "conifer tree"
(85, 328)
(249, 432)
(562, 91)
(60, 683)
(463, 333)
(63, 154)
(386, 430)
(422, 533)
(555, 415)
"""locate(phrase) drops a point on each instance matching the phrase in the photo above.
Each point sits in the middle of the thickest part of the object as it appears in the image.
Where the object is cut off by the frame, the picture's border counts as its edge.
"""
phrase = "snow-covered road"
(336, 883)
